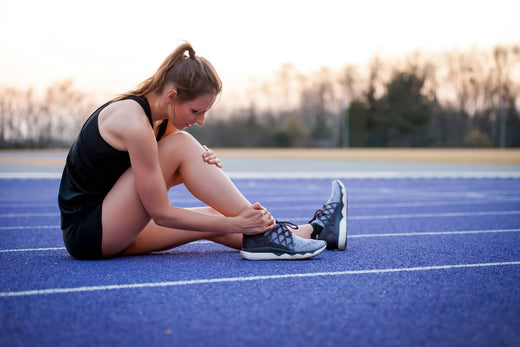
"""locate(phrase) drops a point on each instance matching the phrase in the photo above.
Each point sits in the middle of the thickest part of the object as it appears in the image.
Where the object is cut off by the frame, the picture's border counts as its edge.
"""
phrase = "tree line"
(450, 99)
(51, 120)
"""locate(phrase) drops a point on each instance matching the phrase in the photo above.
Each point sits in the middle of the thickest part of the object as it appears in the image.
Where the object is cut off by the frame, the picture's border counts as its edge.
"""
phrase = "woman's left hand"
(209, 157)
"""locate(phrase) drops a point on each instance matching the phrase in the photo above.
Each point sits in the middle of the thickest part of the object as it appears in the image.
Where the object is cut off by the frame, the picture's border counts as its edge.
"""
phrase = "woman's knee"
(174, 150)
(180, 140)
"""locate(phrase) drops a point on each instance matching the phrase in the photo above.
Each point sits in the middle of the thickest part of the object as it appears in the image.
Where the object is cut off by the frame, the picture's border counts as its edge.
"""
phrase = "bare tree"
(54, 119)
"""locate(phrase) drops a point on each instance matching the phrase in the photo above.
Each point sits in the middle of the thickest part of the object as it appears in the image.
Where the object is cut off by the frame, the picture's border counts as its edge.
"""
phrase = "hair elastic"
(191, 52)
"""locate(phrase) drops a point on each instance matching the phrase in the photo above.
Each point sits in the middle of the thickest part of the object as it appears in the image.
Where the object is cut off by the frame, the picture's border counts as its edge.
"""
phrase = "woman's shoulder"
(123, 119)
(129, 106)
(126, 111)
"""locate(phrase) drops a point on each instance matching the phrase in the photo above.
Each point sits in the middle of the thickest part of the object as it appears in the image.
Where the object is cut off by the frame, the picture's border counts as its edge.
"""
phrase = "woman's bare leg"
(155, 238)
(180, 155)
(126, 224)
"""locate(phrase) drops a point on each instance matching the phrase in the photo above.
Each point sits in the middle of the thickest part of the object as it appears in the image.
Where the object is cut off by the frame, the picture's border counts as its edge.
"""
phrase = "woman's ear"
(171, 93)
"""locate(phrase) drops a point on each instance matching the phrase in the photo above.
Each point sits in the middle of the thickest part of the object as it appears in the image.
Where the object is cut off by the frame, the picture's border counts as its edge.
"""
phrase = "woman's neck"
(158, 107)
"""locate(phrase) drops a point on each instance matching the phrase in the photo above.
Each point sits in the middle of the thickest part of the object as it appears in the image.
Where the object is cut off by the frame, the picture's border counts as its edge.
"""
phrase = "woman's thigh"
(123, 215)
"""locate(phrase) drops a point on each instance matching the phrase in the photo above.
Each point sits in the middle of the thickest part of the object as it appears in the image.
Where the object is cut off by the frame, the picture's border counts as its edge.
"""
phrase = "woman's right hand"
(255, 219)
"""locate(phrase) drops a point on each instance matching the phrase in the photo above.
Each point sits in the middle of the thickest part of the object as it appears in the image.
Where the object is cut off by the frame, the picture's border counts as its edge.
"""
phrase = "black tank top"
(92, 168)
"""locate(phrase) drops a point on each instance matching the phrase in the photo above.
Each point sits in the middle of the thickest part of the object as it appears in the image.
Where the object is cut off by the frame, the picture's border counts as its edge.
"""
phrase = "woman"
(113, 195)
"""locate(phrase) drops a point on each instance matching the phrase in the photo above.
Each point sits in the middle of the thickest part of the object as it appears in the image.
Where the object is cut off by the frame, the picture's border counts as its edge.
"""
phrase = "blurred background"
(296, 73)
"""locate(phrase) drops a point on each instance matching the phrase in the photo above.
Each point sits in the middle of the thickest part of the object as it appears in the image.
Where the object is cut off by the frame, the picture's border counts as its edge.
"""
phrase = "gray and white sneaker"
(333, 219)
(280, 244)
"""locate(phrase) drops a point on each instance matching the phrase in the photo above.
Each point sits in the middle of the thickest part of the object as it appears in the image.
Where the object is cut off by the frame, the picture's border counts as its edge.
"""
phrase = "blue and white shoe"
(333, 219)
(280, 244)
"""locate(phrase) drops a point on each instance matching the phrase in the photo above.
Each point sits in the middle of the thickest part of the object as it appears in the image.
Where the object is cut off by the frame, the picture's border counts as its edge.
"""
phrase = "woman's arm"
(138, 139)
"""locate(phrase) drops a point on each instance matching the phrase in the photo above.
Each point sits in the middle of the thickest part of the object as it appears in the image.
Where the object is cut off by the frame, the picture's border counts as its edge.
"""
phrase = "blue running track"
(429, 262)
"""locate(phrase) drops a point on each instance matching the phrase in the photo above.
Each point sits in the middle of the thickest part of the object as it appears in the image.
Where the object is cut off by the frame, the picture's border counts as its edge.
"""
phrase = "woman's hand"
(255, 219)
(209, 157)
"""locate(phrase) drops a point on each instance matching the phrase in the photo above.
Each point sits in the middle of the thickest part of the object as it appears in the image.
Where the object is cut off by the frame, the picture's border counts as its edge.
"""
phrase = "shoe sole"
(342, 237)
(282, 256)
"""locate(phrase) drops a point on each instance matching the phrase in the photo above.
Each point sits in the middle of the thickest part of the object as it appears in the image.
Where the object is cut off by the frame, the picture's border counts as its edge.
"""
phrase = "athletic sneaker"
(332, 219)
(280, 244)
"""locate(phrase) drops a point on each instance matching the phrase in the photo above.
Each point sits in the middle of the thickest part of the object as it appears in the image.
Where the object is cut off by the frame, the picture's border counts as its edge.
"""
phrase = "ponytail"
(191, 75)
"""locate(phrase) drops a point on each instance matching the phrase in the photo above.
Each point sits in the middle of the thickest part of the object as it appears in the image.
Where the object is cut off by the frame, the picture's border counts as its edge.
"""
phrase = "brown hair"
(191, 75)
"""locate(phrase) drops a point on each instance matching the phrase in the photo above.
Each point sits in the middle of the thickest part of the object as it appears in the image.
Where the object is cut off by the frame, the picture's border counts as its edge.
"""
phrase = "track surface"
(429, 261)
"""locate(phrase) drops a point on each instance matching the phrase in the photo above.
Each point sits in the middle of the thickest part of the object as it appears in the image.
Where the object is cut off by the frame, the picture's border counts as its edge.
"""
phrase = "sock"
(316, 230)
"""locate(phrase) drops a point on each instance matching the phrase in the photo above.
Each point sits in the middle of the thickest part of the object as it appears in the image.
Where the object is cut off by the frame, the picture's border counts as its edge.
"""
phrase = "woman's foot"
(280, 244)
(330, 222)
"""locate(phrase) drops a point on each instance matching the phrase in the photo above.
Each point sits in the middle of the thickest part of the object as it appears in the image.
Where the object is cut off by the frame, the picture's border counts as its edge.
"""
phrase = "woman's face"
(192, 112)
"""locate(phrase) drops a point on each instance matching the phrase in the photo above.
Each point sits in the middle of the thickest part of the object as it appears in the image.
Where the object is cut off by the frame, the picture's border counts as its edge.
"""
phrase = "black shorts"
(83, 239)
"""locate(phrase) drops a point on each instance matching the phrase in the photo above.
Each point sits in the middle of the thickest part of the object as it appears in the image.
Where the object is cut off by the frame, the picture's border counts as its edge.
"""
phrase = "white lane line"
(417, 215)
(245, 279)
(389, 205)
(433, 203)
(16, 204)
(30, 175)
(31, 227)
(63, 248)
(442, 214)
(44, 214)
(32, 249)
(437, 233)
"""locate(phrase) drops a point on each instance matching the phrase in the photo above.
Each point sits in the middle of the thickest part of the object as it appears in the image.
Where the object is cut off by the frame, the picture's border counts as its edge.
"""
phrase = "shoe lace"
(317, 214)
(327, 211)
(282, 235)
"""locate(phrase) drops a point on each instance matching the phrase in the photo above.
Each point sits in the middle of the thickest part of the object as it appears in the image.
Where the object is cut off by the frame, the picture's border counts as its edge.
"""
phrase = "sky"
(111, 46)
